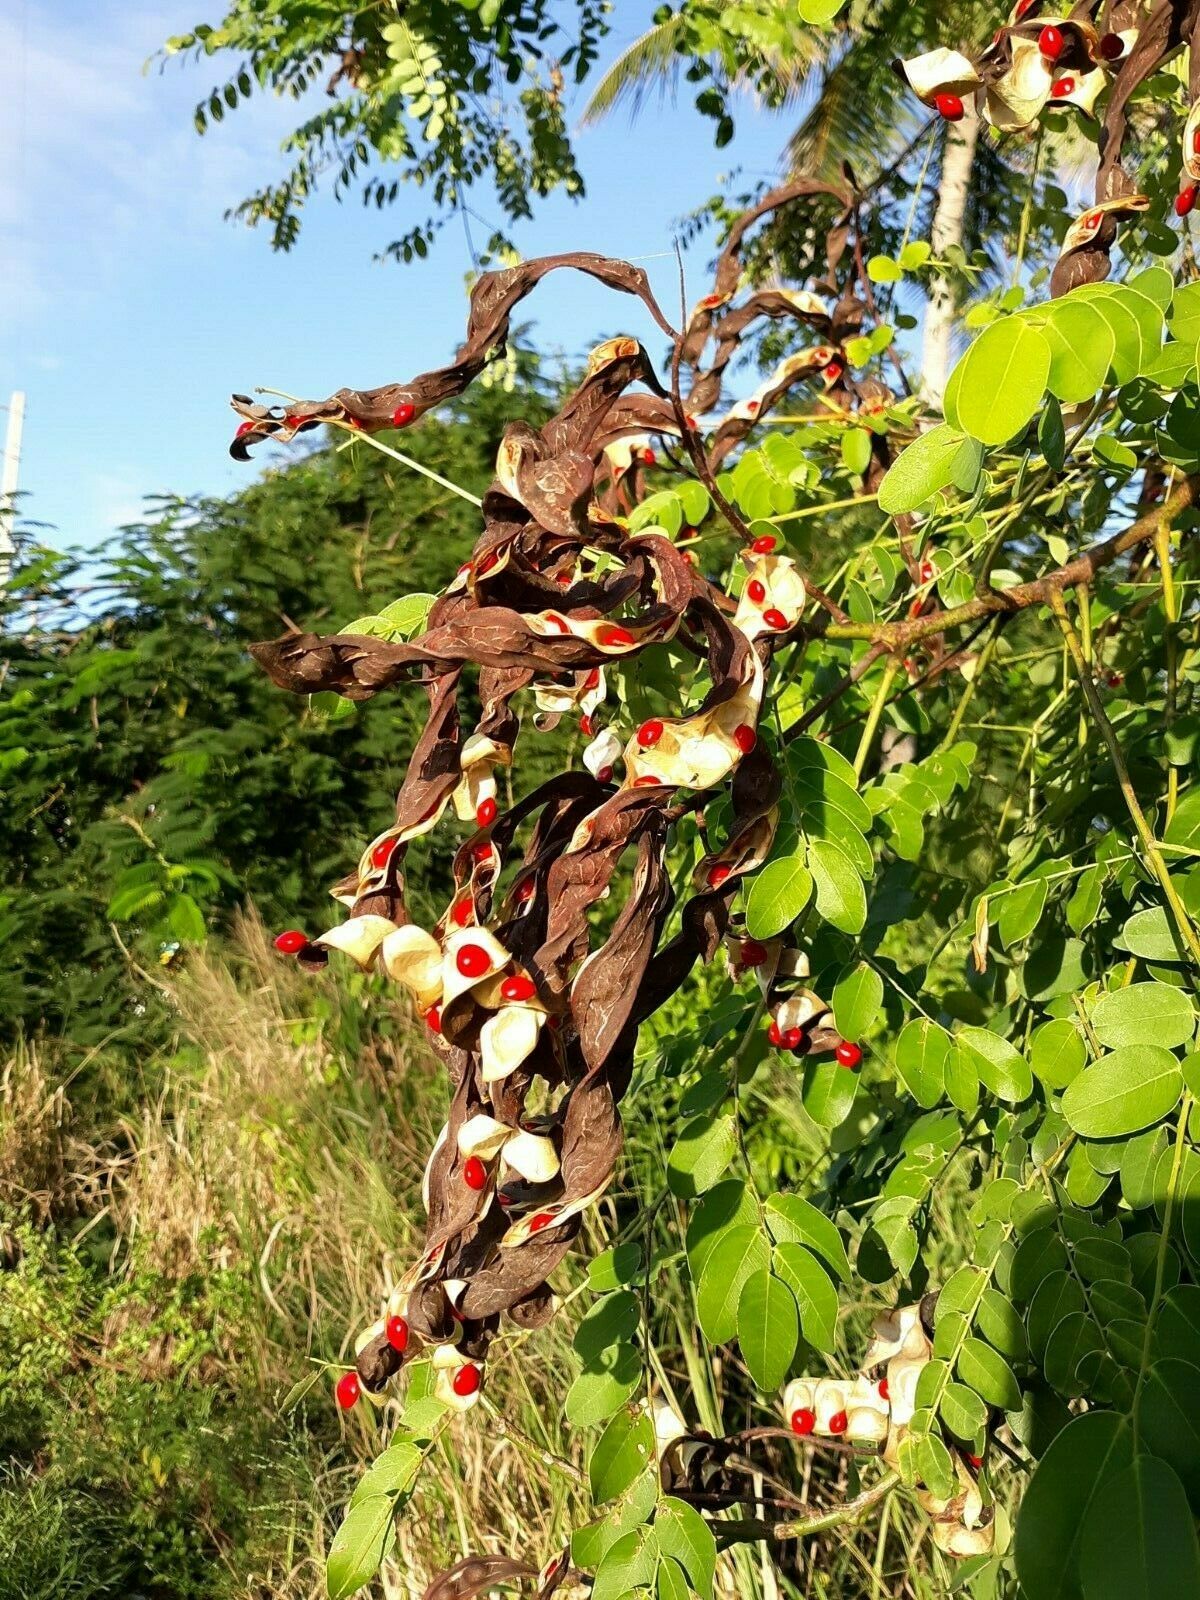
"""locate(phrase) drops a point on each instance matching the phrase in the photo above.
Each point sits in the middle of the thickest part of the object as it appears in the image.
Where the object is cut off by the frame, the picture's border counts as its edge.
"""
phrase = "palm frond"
(651, 61)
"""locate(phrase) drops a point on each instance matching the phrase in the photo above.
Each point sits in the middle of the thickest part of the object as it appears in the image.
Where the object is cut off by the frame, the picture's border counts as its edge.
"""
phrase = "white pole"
(8, 489)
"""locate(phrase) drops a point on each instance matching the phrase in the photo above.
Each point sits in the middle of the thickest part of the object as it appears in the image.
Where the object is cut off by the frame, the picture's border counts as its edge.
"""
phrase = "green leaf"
(933, 461)
(613, 1268)
(1089, 1453)
(1123, 1092)
(591, 1543)
(768, 1328)
(1057, 1297)
(621, 1454)
(1052, 437)
(595, 1395)
(856, 999)
(701, 1154)
(856, 450)
(1183, 830)
(408, 615)
(1144, 1011)
(963, 1412)
(737, 1253)
(684, 1536)
(186, 919)
(815, 1294)
(1019, 910)
(392, 1473)
(731, 1204)
(1002, 378)
(1139, 1537)
(794, 1220)
(921, 1052)
(366, 1534)
(1002, 1069)
(777, 896)
(841, 899)
(1169, 1420)
(695, 500)
(880, 269)
(985, 1370)
(631, 1563)
(670, 1583)
(1057, 1052)
(1081, 345)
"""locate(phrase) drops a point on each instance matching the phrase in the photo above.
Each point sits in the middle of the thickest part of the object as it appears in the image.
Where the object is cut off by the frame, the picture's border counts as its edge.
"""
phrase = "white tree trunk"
(961, 140)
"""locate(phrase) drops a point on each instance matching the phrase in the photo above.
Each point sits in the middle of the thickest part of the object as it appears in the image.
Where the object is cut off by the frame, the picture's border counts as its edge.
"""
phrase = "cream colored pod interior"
(1014, 101)
(413, 958)
(448, 1362)
(940, 71)
(357, 937)
(507, 1039)
(782, 591)
(478, 760)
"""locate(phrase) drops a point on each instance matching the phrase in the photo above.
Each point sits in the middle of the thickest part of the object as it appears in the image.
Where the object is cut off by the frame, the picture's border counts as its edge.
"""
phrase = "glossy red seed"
(764, 544)
(382, 853)
(650, 733)
(525, 891)
(792, 1038)
(354, 422)
(1114, 680)
(976, 1461)
(614, 638)
(838, 1422)
(647, 781)
(463, 911)
(717, 876)
(1062, 88)
(1092, 220)
(833, 371)
(847, 1054)
(485, 812)
(486, 563)
(1196, 142)
(291, 942)
(804, 1421)
(1051, 42)
(926, 571)
(751, 406)
(950, 107)
(592, 681)
(604, 775)
(482, 852)
(1112, 47)
(775, 619)
(466, 1380)
(243, 429)
(1185, 200)
(542, 1220)
(745, 738)
(396, 1333)
(474, 1173)
(649, 457)
(586, 726)
(348, 1390)
(433, 1019)
(752, 953)
(916, 608)
(518, 988)
(756, 591)
(403, 414)
(472, 960)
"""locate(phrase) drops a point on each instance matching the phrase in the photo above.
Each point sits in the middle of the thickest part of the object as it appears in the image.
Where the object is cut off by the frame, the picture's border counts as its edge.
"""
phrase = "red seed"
(348, 1390)
(466, 1380)
(649, 457)
(244, 428)
(1115, 680)
(1051, 42)
(717, 876)
(649, 733)
(396, 1332)
(833, 371)
(403, 414)
(462, 912)
(353, 422)
(751, 406)
(838, 1422)
(690, 557)
(804, 1421)
(775, 619)
(774, 1036)
(757, 591)
(518, 988)
(291, 942)
(1061, 89)
(1112, 47)
(647, 781)
(916, 608)
(926, 571)
(1196, 142)
(764, 544)
(474, 1173)
(542, 1220)
(753, 954)
(847, 1054)
(604, 775)
(1185, 200)
(382, 853)
(486, 563)
(614, 637)
(592, 681)
(482, 852)
(433, 1019)
(586, 725)
(792, 1038)
(950, 107)
(485, 812)
(472, 960)
(884, 1393)
(745, 738)
(1092, 220)
(525, 891)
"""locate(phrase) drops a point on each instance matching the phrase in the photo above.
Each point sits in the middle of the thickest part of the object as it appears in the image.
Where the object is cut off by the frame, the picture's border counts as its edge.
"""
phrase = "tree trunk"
(957, 162)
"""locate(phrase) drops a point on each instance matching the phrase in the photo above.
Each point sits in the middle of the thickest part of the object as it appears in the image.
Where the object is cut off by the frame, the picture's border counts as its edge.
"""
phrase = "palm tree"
(853, 107)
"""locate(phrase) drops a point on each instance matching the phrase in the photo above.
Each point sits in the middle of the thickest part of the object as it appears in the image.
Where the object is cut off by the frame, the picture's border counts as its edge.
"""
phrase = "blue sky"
(130, 309)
